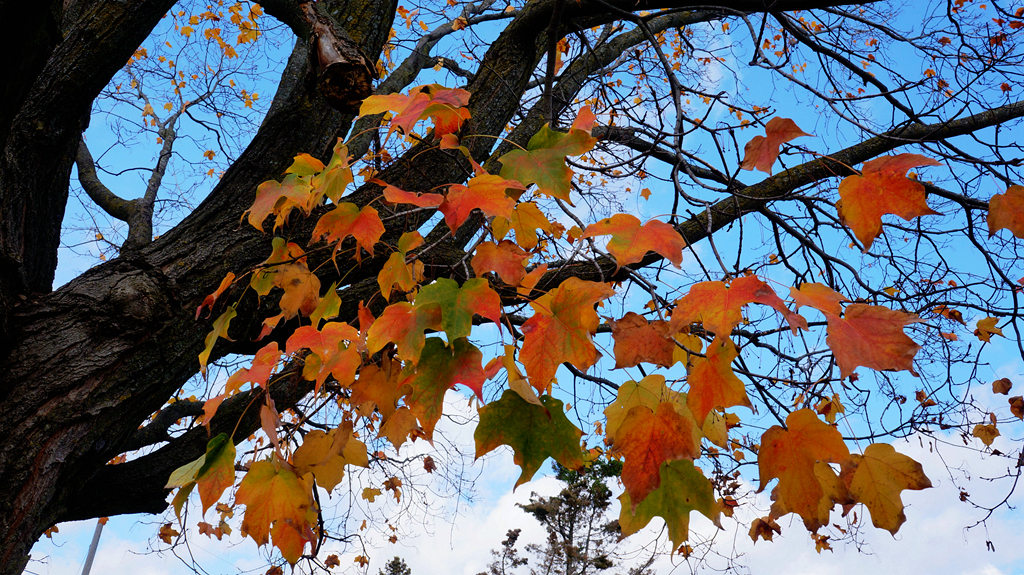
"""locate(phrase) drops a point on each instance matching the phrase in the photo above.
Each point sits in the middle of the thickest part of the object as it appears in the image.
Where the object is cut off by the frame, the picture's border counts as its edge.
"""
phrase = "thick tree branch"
(344, 74)
(108, 201)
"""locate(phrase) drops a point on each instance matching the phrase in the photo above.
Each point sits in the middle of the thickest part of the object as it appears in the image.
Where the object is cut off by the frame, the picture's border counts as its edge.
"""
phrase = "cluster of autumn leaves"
(395, 376)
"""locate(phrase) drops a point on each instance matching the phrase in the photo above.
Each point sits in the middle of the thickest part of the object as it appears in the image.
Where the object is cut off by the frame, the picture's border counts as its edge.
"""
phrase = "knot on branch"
(344, 74)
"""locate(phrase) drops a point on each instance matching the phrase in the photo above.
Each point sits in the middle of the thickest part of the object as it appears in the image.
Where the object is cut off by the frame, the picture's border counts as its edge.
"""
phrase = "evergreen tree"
(581, 538)
(396, 566)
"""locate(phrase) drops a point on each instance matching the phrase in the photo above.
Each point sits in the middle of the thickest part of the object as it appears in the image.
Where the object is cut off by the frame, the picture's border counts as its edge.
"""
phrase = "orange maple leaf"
(348, 219)
(717, 306)
(263, 364)
(819, 296)
(485, 192)
(712, 381)
(378, 387)
(883, 188)
(630, 241)
(526, 220)
(647, 438)
(329, 352)
(505, 258)
(762, 151)
(1007, 211)
(211, 299)
(444, 106)
(404, 325)
(560, 329)
(420, 200)
(876, 480)
(278, 503)
(637, 340)
(797, 456)
(396, 271)
(872, 336)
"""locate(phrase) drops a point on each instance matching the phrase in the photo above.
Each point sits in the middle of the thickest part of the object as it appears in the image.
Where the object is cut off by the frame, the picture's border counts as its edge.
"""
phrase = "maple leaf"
(987, 433)
(818, 296)
(457, 305)
(325, 455)
(270, 420)
(421, 200)
(280, 198)
(631, 241)
(329, 354)
(830, 408)
(348, 219)
(286, 269)
(378, 387)
(301, 289)
(441, 367)
(560, 329)
(331, 180)
(986, 328)
(762, 151)
(543, 160)
(718, 306)
(637, 340)
(650, 392)
(865, 335)
(526, 219)
(328, 307)
(403, 324)
(211, 299)
(220, 330)
(883, 188)
(504, 258)
(217, 472)
(444, 106)
(399, 426)
(683, 488)
(516, 381)
(1006, 211)
(872, 336)
(278, 503)
(282, 252)
(712, 381)
(213, 472)
(764, 528)
(876, 480)
(485, 192)
(397, 272)
(533, 432)
(791, 455)
(647, 438)
(167, 533)
(263, 364)
(1017, 406)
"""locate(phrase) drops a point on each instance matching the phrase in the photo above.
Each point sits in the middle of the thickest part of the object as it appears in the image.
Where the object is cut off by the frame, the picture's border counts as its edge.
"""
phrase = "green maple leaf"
(533, 432)
(683, 489)
(458, 304)
(441, 367)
